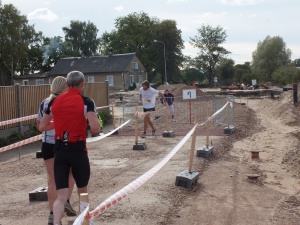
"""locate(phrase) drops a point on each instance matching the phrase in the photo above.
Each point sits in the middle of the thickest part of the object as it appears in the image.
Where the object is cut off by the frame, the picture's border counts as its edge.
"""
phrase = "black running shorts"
(78, 161)
(47, 150)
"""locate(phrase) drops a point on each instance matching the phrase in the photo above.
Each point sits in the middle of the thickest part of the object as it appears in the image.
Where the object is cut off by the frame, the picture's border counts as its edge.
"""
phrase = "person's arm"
(46, 123)
(140, 101)
(92, 117)
(162, 96)
(93, 122)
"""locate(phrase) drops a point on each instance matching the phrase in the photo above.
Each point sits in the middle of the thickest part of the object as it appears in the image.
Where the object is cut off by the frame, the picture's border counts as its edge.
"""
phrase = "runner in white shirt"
(148, 99)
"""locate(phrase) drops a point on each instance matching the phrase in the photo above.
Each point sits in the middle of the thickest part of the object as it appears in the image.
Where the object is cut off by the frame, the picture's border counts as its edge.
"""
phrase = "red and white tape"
(20, 143)
(2, 123)
(130, 188)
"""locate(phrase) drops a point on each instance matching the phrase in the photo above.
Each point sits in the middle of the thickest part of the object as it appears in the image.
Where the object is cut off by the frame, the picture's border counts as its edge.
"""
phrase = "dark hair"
(146, 83)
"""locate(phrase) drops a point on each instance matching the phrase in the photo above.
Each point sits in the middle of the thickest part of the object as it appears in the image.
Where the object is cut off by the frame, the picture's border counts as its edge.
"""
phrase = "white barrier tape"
(2, 123)
(103, 107)
(20, 143)
(79, 220)
(130, 188)
(93, 139)
(83, 206)
(214, 115)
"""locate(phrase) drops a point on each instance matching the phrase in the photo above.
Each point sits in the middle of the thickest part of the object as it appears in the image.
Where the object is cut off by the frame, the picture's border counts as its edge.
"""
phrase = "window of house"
(110, 80)
(25, 82)
(135, 65)
(39, 82)
(131, 79)
(91, 79)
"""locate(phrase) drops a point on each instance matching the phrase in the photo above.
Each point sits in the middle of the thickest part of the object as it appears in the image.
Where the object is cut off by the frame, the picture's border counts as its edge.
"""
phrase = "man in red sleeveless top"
(68, 114)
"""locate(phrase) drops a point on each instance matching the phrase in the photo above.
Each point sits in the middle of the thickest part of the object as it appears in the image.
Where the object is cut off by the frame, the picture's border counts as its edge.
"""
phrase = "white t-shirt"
(148, 97)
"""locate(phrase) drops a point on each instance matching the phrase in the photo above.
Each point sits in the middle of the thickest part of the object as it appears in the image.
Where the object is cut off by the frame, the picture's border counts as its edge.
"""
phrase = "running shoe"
(69, 210)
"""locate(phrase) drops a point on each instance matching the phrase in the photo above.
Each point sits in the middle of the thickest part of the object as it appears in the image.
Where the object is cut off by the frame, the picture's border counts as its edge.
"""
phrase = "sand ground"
(223, 194)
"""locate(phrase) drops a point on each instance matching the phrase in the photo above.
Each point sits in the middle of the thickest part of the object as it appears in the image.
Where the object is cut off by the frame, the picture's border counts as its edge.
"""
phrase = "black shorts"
(47, 151)
(149, 110)
(78, 161)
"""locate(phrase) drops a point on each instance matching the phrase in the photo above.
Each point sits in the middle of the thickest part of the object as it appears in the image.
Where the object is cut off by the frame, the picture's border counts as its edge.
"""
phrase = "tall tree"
(18, 44)
(83, 37)
(137, 32)
(242, 73)
(270, 55)
(225, 71)
(168, 33)
(209, 41)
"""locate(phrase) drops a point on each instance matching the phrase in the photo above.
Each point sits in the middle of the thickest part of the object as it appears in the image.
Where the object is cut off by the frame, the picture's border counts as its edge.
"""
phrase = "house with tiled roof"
(120, 70)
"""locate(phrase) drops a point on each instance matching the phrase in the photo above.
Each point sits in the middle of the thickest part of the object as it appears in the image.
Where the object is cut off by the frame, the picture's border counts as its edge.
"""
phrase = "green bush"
(132, 87)
(3, 142)
(15, 136)
(105, 116)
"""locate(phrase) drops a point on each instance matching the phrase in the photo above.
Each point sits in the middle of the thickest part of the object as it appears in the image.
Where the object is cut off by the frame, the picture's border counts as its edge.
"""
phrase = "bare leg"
(51, 192)
(59, 204)
(71, 184)
(147, 120)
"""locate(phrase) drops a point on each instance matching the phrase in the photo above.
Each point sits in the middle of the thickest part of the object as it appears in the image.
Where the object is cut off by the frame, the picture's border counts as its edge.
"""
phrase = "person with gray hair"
(57, 87)
(68, 114)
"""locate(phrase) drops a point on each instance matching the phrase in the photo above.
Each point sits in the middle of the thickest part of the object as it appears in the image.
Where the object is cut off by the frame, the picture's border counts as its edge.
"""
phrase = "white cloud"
(119, 8)
(210, 14)
(239, 2)
(42, 14)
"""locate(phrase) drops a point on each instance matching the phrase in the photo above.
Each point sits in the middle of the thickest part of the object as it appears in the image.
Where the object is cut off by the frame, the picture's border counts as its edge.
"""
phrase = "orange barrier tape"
(18, 120)
(20, 143)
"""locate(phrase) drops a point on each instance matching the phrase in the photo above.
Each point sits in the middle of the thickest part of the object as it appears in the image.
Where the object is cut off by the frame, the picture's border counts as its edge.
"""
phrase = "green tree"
(192, 75)
(83, 37)
(209, 41)
(19, 44)
(168, 33)
(136, 32)
(225, 71)
(242, 73)
(286, 75)
(270, 55)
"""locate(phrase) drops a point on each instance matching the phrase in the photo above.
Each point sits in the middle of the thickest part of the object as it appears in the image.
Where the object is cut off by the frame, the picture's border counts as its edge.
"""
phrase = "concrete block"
(39, 154)
(39, 194)
(187, 179)
(204, 151)
(139, 146)
(229, 130)
(168, 134)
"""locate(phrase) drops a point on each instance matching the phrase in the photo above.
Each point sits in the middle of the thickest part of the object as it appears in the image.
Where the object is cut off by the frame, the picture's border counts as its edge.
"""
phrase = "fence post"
(20, 109)
(84, 201)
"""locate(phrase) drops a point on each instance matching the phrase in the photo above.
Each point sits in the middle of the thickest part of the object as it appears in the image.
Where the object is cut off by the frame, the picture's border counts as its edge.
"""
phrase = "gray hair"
(74, 78)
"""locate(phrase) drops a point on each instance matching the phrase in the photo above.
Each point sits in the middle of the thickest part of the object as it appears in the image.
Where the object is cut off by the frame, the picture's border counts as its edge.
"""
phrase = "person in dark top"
(169, 99)
(68, 114)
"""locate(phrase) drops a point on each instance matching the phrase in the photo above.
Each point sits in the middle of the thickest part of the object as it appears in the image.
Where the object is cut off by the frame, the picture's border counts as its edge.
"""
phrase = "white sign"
(253, 82)
(189, 94)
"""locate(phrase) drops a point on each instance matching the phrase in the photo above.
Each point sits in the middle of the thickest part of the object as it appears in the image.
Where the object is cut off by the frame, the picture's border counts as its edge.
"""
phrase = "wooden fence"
(24, 100)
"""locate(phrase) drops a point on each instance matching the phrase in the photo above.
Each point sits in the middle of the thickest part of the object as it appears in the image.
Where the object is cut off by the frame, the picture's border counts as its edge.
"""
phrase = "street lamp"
(165, 62)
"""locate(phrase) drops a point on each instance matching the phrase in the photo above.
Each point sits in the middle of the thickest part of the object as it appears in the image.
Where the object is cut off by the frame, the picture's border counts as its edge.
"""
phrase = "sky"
(246, 22)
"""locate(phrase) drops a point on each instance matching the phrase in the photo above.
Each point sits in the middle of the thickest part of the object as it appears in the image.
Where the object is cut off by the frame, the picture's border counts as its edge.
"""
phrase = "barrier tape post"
(192, 152)
(207, 128)
(167, 119)
(136, 126)
(190, 110)
(84, 202)
(113, 116)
